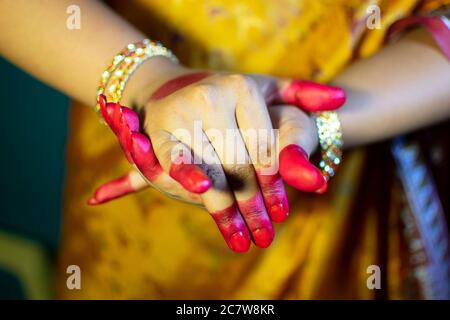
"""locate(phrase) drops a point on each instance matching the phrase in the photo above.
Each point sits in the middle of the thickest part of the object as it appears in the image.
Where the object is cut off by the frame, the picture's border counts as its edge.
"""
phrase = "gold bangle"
(114, 78)
(330, 141)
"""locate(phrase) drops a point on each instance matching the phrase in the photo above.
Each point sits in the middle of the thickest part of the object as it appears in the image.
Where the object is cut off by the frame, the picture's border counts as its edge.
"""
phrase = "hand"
(221, 101)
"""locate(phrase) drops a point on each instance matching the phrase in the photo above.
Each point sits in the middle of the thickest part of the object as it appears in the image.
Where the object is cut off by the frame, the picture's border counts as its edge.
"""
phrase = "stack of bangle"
(123, 65)
(330, 141)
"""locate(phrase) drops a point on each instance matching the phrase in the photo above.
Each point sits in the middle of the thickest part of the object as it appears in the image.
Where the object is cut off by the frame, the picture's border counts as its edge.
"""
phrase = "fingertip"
(102, 100)
(279, 212)
(191, 177)
(239, 242)
(202, 186)
(92, 201)
(323, 188)
(233, 228)
(337, 98)
(263, 237)
(140, 143)
(143, 156)
(103, 108)
(131, 118)
(113, 189)
(297, 171)
(314, 97)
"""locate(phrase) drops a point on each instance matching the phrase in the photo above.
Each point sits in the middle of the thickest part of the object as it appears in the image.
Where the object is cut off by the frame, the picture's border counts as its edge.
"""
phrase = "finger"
(296, 142)
(138, 149)
(241, 177)
(123, 122)
(220, 202)
(256, 128)
(176, 159)
(232, 226)
(310, 96)
(218, 199)
(119, 187)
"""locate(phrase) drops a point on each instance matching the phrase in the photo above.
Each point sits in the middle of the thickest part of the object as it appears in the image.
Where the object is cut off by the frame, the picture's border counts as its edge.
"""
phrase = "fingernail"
(263, 237)
(200, 181)
(191, 177)
(297, 171)
(102, 103)
(110, 109)
(239, 242)
(313, 96)
(338, 98)
(323, 188)
(140, 141)
(131, 118)
(92, 201)
(279, 212)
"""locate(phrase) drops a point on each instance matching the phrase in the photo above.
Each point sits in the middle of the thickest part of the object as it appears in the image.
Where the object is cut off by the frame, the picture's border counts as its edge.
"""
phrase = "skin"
(407, 82)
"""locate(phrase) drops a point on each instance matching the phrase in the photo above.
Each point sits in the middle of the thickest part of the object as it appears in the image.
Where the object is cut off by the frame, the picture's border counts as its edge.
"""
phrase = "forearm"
(404, 87)
(34, 36)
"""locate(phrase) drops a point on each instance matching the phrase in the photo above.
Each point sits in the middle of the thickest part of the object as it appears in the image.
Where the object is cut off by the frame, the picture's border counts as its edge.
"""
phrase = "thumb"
(119, 187)
(307, 95)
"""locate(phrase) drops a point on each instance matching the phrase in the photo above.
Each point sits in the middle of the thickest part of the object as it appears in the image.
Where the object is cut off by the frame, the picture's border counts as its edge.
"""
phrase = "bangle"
(114, 78)
(330, 141)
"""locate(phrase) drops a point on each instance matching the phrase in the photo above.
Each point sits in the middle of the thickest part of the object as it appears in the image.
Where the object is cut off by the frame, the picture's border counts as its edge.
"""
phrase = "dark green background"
(33, 134)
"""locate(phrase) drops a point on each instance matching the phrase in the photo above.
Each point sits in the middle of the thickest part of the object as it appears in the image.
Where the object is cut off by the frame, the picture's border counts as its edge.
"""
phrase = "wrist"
(149, 77)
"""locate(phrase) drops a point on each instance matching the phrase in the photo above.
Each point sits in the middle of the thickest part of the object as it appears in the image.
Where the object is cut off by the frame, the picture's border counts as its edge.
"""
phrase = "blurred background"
(32, 175)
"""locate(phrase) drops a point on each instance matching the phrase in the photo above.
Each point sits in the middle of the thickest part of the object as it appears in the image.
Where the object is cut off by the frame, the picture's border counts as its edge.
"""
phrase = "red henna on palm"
(178, 83)
(232, 228)
(274, 195)
(297, 171)
(253, 211)
(112, 190)
(313, 96)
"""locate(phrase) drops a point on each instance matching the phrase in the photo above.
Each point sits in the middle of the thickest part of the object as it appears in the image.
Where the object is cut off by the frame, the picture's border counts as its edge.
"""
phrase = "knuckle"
(240, 176)
(255, 215)
(242, 81)
(243, 171)
(292, 117)
(204, 94)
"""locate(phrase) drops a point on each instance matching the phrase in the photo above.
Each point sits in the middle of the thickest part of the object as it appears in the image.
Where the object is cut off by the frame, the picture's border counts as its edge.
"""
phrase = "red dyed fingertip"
(102, 102)
(297, 171)
(233, 228)
(263, 237)
(239, 242)
(274, 195)
(112, 190)
(143, 156)
(323, 188)
(131, 119)
(191, 177)
(313, 96)
(279, 212)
